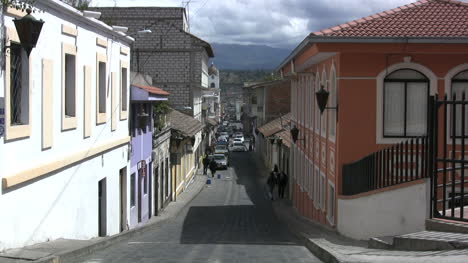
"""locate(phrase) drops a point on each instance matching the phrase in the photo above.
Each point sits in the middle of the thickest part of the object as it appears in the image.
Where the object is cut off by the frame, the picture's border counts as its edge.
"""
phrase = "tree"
(18, 4)
(78, 4)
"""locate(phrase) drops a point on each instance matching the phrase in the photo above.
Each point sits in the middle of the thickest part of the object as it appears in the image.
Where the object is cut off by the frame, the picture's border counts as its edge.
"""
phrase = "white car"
(222, 149)
(239, 137)
(238, 147)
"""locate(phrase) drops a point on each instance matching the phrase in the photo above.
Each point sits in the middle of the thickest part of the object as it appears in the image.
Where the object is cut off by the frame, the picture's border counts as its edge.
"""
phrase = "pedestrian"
(272, 181)
(283, 182)
(213, 167)
(206, 162)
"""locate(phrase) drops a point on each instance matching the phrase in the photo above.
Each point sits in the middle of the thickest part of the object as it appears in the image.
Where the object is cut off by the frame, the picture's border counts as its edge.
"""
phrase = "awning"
(278, 127)
(185, 124)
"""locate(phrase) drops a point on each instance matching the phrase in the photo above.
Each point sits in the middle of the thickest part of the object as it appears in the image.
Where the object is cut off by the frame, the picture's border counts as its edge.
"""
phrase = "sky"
(276, 23)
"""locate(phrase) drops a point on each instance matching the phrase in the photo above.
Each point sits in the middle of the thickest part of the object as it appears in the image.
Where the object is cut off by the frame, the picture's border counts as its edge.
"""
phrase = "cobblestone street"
(231, 220)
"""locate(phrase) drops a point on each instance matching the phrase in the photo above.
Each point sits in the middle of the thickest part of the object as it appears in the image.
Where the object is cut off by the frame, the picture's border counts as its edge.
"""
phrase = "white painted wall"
(63, 204)
(393, 212)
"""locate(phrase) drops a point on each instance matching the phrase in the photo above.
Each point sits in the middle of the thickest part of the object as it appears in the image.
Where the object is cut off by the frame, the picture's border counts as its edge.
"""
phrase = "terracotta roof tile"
(153, 90)
(274, 128)
(425, 18)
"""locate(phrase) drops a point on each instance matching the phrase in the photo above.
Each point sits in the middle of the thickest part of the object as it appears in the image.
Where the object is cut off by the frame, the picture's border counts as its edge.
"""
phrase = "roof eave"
(312, 39)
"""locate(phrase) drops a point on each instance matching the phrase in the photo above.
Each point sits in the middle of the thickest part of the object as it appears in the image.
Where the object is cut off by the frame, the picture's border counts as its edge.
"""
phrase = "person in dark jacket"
(283, 182)
(206, 162)
(213, 167)
(272, 181)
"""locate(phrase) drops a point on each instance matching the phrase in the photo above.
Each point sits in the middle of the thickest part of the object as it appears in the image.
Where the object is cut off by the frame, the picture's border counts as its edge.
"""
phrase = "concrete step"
(446, 226)
(430, 240)
(381, 242)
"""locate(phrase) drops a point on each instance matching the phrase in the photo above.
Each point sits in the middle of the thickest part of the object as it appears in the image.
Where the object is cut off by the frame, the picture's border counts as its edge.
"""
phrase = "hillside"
(247, 57)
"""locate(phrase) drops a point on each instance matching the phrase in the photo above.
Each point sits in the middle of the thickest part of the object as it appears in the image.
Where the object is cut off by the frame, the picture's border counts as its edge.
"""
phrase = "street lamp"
(29, 29)
(295, 134)
(322, 99)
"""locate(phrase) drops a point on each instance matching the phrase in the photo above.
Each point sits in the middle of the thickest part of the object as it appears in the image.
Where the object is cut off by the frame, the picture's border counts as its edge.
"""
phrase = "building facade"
(64, 141)
(379, 82)
(144, 171)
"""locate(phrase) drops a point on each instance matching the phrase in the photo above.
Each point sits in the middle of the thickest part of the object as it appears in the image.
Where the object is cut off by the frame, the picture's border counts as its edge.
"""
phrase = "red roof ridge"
(348, 25)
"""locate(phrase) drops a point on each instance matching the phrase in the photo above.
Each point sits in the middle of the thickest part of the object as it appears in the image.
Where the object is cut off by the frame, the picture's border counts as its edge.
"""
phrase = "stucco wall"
(64, 203)
(393, 212)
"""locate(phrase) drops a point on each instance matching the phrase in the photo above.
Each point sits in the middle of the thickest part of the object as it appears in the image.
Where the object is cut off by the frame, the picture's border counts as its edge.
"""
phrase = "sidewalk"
(68, 250)
(329, 246)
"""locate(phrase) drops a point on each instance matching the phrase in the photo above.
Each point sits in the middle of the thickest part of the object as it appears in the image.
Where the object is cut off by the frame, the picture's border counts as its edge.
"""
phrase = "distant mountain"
(247, 57)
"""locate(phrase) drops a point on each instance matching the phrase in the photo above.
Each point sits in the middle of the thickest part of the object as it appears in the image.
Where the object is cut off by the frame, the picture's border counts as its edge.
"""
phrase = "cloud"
(280, 23)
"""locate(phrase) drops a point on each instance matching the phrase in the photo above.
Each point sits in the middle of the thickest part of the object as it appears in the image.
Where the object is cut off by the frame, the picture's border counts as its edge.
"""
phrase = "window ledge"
(101, 118)
(68, 123)
(17, 131)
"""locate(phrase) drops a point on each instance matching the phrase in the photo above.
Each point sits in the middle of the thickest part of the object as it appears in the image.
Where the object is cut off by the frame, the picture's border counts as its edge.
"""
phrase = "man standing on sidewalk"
(283, 182)
(213, 167)
(206, 162)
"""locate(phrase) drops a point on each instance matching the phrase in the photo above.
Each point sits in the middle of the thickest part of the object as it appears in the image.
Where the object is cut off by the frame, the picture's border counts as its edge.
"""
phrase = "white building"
(64, 134)
(211, 95)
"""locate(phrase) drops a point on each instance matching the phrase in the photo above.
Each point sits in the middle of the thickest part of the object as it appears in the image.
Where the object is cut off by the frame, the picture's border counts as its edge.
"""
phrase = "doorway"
(139, 185)
(156, 191)
(102, 208)
(123, 199)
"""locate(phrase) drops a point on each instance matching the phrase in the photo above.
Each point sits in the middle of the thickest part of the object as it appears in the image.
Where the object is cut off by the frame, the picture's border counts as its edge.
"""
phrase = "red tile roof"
(424, 18)
(153, 90)
(279, 128)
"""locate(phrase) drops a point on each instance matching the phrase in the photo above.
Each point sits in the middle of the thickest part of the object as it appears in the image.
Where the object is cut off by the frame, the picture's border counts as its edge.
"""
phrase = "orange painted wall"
(357, 66)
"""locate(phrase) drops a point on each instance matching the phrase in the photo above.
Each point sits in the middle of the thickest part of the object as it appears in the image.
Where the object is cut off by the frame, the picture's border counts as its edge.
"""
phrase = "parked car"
(221, 160)
(240, 138)
(221, 149)
(238, 147)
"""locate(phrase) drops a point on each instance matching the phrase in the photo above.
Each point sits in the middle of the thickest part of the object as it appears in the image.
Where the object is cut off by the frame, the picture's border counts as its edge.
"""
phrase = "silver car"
(221, 161)
(238, 147)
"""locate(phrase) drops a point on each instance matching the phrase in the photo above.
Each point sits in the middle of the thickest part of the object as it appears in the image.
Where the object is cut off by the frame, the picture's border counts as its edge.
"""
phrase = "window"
(18, 89)
(101, 92)
(18, 85)
(332, 103)
(331, 203)
(323, 116)
(317, 111)
(459, 87)
(132, 190)
(213, 85)
(123, 90)
(323, 191)
(68, 86)
(316, 186)
(405, 103)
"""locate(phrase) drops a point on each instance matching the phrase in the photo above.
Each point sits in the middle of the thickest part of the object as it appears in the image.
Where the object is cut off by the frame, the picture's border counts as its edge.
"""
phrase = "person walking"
(272, 181)
(213, 167)
(283, 182)
(206, 162)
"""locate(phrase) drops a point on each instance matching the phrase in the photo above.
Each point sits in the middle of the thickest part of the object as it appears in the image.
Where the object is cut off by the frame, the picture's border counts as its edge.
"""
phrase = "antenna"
(186, 5)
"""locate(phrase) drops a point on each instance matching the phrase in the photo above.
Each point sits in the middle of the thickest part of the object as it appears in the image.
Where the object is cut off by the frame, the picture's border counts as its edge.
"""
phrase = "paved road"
(230, 221)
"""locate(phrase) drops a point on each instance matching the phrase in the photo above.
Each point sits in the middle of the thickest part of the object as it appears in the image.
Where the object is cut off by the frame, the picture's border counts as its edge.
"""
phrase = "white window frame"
(324, 115)
(69, 122)
(333, 103)
(448, 90)
(101, 117)
(331, 203)
(323, 191)
(380, 139)
(124, 112)
(13, 132)
(316, 187)
(316, 109)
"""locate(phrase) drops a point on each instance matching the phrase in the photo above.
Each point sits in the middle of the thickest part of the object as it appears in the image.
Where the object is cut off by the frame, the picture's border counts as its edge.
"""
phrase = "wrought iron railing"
(403, 162)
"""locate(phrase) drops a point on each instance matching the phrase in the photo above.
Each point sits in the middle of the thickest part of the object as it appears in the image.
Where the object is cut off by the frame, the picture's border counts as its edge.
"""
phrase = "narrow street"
(229, 221)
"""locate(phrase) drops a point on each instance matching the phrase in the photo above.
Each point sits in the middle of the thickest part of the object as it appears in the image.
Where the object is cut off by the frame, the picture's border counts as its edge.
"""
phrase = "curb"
(74, 254)
(316, 249)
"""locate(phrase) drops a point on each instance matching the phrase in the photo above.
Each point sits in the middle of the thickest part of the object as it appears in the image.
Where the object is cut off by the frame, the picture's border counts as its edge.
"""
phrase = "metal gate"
(448, 135)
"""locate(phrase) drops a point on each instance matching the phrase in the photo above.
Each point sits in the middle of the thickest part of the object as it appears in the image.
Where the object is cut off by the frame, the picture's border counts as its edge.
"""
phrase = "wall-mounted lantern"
(322, 99)
(295, 134)
(29, 30)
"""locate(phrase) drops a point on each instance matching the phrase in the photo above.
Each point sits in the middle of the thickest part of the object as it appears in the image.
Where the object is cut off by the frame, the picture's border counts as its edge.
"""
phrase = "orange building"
(379, 72)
